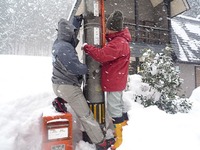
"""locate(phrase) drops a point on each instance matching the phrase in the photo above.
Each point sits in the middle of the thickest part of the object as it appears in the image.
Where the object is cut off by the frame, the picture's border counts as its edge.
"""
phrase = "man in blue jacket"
(67, 78)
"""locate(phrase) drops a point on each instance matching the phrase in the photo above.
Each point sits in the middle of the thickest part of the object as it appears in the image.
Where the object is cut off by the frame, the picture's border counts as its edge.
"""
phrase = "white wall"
(187, 72)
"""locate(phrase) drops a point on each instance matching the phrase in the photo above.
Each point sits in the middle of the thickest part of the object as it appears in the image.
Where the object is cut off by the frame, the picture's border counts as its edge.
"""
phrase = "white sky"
(26, 93)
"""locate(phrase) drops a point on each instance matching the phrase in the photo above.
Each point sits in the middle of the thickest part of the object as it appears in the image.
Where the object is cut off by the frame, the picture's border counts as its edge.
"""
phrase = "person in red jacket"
(114, 58)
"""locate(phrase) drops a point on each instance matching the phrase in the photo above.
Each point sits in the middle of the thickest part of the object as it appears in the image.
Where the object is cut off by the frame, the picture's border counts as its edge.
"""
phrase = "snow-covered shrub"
(173, 106)
(159, 73)
(136, 87)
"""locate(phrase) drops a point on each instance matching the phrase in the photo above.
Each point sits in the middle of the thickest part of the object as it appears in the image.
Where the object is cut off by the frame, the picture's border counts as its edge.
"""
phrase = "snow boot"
(118, 136)
(105, 144)
(125, 116)
(124, 123)
(59, 105)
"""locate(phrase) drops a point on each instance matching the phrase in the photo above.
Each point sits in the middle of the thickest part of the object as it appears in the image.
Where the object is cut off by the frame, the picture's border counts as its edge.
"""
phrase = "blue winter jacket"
(67, 69)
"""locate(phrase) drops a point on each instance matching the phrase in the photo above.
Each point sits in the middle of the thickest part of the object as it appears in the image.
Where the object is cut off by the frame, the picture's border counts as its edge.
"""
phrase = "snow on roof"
(186, 38)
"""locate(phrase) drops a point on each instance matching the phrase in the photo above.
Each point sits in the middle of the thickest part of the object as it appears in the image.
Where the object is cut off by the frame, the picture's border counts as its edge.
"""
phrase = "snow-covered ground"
(26, 92)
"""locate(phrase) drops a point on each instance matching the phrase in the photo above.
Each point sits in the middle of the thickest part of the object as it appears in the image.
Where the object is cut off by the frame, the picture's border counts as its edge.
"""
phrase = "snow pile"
(26, 93)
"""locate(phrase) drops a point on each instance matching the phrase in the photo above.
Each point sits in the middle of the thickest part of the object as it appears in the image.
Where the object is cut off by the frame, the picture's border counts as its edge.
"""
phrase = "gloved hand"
(82, 47)
(59, 105)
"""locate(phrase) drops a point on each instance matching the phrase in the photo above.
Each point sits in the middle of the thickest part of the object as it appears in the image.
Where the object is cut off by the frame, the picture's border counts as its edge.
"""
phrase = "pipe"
(103, 27)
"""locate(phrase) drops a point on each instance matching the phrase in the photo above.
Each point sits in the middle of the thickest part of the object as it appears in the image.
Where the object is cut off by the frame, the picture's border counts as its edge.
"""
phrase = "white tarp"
(177, 6)
(156, 2)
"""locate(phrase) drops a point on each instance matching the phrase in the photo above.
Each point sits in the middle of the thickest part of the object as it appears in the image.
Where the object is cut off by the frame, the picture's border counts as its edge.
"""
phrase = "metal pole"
(167, 4)
(93, 35)
(136, 21)
(137, 30)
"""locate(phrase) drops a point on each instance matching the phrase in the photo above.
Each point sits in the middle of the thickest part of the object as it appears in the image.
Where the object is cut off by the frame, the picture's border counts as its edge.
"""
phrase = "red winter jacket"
(114, 57)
